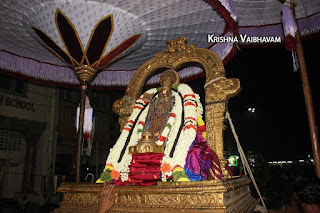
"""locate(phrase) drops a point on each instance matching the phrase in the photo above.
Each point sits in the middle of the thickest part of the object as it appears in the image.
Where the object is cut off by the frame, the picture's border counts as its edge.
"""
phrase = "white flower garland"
(187, 134)
(114, 154)
(190, 102)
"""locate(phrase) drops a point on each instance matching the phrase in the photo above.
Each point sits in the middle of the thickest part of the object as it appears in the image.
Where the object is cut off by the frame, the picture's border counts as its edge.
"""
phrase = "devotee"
(106, 199)
(307, 192)
(276, 201)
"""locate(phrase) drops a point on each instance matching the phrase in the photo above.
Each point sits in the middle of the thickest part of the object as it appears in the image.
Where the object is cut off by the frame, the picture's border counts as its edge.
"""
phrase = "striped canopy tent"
(45, 40)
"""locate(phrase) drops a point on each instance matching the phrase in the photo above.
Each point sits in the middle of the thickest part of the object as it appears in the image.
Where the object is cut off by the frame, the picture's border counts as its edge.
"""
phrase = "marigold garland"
(165, 168)
(109, 166)
(115, 175)
(106, 176)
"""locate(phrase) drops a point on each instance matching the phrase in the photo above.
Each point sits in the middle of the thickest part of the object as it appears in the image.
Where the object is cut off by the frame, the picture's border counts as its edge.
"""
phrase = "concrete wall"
(26, 113)
(13, 162)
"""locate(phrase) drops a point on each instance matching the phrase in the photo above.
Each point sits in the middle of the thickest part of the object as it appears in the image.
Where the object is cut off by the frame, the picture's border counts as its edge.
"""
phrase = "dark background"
(278, 129)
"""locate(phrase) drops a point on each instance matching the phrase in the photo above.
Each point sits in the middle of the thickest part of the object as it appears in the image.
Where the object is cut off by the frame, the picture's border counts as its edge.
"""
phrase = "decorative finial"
(176, 45)
(85, 74)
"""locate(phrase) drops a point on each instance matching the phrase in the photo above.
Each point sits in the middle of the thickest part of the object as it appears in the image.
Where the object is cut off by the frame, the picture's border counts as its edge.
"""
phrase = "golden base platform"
(228, 195)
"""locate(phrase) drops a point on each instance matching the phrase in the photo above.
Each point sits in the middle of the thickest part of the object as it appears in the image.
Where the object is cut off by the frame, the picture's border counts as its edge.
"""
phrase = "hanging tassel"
(87, 123)
(289, 24)
(290, 29)
(295, 61)
(90, 139)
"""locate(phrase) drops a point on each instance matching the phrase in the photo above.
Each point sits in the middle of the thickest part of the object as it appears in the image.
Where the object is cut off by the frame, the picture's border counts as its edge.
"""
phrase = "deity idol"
(163, 139)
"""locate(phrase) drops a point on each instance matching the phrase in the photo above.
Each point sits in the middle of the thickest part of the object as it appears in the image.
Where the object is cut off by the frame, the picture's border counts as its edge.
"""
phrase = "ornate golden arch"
(218, 89)
(229, 195)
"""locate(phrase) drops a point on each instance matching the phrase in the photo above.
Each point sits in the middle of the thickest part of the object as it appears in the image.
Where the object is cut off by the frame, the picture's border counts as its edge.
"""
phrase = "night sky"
(278, 129)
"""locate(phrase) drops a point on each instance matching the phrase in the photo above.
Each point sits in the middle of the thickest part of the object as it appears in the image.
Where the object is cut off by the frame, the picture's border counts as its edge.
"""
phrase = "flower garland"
(186, 118)
(179, 174)
(138, 114)
(182, 124)
(108, 174)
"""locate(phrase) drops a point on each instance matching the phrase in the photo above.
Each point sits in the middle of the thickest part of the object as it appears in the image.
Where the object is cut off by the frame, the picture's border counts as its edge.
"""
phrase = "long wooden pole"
(308, 100)
(78, 151)
(85, 74)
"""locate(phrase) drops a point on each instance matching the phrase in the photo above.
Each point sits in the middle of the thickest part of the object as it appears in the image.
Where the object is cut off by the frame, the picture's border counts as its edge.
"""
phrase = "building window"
(11, 140)
(12, 85)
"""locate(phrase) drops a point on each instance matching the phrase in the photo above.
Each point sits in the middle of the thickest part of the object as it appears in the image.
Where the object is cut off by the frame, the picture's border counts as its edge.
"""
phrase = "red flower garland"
(185, 96)
(162, 138)
(142, 100)
(173, 115)
(142, 123)
(190, 126)
(190, 118)
(190, 104)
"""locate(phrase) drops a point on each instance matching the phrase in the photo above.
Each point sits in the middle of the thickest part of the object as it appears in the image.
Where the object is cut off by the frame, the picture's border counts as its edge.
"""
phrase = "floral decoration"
(179, 174)
(165, 168)
(115, 175)
(183, 114)
(106, 175)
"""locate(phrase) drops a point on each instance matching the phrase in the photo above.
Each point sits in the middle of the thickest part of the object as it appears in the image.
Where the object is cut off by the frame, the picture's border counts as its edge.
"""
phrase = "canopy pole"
(78, 151)
(308, 100)
(85, 74)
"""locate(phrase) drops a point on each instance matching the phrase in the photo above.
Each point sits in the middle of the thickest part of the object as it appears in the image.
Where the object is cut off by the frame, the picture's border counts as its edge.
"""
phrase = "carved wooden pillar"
(123, 107)
(218, 91)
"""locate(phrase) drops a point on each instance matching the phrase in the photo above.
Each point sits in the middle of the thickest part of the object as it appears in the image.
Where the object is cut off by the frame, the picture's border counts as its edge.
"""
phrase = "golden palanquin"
(231, 194)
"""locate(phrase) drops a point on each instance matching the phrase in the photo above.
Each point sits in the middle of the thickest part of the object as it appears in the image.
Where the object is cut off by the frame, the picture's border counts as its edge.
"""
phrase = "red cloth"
(144, 170)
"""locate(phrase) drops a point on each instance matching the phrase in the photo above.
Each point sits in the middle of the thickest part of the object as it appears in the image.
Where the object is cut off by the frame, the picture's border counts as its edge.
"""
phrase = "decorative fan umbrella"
(70, 42)
(97, 32)
(102, 42)
(128, 33)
